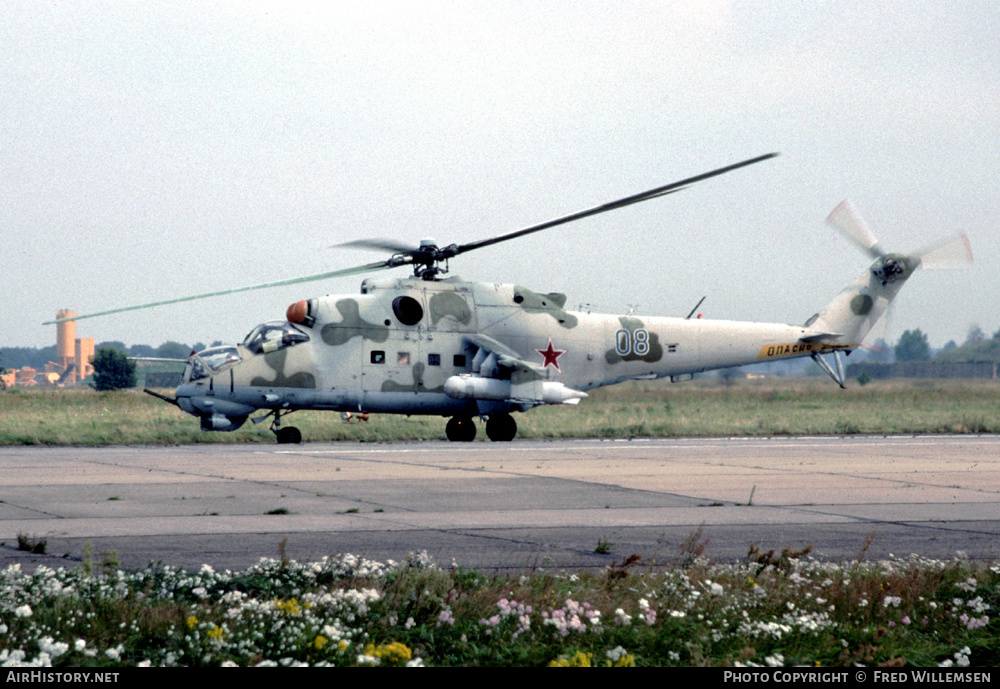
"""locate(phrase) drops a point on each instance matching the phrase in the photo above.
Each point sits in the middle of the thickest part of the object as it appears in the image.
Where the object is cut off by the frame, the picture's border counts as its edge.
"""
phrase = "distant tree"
(113, 344)
(880, 351)
(913, 346)
(975, 335)
(112, 370)
(19, 357)
(141, 350)
(173, 350)
(950, 345)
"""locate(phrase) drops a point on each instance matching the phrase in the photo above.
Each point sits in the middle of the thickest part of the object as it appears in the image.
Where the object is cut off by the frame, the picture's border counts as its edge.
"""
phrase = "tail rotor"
(955, 252)
(850, 318)
(846, 220)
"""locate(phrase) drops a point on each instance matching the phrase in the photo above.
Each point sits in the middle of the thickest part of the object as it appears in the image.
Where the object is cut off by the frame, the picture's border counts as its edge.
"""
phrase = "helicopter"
(434, 345)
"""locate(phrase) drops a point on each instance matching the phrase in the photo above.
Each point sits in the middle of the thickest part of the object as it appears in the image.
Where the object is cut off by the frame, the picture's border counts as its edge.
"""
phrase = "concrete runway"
(518, 505)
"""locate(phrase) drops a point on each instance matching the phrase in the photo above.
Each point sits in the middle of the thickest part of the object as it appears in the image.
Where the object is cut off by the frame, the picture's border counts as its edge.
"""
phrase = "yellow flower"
(394, 653)
(289, 607)
(578, 659)
(192, 622)
(627, 660)
(215, 633)
(320, 642)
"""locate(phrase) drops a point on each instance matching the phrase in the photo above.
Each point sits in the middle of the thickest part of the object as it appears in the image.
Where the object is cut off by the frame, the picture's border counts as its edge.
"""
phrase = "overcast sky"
(153, 150)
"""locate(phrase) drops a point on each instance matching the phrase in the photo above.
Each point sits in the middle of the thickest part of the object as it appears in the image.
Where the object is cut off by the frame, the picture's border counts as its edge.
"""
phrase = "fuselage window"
(459, 361)
(378, 356)
(433, 359)
(403, 358)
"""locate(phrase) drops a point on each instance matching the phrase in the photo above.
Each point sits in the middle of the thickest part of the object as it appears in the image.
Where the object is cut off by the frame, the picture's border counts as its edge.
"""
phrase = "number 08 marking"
(636, 342)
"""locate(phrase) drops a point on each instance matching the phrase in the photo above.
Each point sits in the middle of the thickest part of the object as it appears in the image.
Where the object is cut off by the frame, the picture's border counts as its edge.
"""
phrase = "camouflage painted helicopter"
(441, 346)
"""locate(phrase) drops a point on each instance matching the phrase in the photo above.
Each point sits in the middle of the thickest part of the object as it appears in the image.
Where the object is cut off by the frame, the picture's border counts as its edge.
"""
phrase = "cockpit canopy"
(210, 360)
(265, 338)
(272, 336)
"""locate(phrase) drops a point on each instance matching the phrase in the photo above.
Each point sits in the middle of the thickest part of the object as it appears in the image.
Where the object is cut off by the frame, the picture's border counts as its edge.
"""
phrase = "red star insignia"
(551, 355)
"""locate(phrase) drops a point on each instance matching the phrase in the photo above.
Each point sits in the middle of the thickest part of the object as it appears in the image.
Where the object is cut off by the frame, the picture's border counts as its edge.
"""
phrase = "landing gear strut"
(501, 427)
(289, 435)
(461, 429)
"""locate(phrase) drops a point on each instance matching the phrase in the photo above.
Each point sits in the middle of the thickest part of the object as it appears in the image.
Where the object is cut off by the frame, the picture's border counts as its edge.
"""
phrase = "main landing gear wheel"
(461, 429)
(501, 427)
(288, 435)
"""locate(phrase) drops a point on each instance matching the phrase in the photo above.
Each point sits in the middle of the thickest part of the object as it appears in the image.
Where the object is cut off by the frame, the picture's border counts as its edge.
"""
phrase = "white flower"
(776, 660)
(52, 648)
(616, 654)
(962, 657)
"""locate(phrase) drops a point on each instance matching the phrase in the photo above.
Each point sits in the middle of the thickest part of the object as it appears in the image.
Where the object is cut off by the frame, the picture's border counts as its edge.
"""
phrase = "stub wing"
(492, 355)
(499, 374)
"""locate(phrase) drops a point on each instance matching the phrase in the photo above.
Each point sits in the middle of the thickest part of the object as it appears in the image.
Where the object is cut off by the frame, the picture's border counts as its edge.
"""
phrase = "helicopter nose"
(216, 414)
(199, 400)
(183, 397)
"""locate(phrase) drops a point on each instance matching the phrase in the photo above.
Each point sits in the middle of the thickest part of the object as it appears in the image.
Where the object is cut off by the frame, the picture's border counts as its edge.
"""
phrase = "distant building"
(74, 353)
(73, 357)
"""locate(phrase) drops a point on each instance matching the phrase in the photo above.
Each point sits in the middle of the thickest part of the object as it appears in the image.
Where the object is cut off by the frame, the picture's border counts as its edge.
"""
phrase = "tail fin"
(854, 312)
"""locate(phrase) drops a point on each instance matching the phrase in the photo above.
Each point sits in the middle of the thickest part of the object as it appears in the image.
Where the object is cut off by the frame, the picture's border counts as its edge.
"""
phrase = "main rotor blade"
(280, 283)
(603, 208)
(389, 245)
